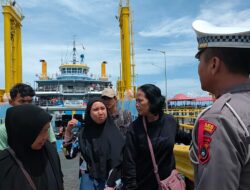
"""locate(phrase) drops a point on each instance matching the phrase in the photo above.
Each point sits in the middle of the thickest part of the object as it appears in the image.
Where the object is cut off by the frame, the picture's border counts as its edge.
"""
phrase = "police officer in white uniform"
(220, 148)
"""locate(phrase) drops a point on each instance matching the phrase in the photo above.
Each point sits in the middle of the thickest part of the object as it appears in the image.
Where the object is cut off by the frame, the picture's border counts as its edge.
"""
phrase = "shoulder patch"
(205, 130)
(209, 127)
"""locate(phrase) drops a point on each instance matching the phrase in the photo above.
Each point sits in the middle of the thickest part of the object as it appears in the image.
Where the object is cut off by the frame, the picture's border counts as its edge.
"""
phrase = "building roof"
(181, 97)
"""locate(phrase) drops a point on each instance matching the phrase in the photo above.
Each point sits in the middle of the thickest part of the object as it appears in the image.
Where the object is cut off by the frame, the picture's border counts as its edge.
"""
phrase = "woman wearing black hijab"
(101, 145)
(27, 130)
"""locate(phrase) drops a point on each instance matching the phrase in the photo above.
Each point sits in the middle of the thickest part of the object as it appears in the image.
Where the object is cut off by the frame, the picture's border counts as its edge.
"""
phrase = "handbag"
(174, 181)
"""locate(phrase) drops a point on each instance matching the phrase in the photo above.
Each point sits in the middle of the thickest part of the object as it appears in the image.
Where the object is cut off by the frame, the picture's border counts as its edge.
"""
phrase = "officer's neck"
(228, 82)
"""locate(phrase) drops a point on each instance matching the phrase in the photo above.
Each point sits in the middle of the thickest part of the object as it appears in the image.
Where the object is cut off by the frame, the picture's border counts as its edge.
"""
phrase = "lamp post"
(165, 61)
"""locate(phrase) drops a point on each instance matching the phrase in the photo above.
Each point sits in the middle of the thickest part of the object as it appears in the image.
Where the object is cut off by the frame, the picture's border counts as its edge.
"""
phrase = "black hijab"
(23, 125)
(92, 129)
(101, 144)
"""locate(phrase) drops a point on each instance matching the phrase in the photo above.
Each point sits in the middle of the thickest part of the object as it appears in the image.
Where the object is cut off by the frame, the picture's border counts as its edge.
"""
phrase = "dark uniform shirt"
(220, 150)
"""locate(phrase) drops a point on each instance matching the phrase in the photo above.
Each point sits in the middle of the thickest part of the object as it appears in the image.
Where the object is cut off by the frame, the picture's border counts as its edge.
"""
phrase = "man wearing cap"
(121, 118)
(220, 148)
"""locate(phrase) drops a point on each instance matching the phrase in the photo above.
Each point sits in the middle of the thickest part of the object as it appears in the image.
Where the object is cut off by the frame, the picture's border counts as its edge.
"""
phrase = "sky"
(50, 26)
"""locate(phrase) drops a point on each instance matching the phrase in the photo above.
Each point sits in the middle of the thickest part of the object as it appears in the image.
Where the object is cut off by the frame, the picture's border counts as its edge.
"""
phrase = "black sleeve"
(71, 149)
(55, 163)
(129, 162)
(115, 175)
(182, 136)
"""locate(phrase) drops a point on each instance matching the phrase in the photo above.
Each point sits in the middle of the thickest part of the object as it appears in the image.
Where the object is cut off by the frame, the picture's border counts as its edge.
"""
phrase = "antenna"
(83, 47)
(82, 58)
(74, 51)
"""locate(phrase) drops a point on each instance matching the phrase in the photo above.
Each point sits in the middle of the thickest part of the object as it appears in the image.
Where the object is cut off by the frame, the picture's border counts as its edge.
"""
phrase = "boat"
(66, 95)
(72, 87)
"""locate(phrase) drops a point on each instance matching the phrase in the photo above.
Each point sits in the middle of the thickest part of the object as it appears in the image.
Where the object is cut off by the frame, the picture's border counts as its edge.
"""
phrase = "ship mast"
(124, 85)
(74, 51)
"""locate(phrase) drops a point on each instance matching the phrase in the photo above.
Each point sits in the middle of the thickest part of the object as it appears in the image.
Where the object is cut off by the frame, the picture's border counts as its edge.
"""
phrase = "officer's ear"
(215, 65)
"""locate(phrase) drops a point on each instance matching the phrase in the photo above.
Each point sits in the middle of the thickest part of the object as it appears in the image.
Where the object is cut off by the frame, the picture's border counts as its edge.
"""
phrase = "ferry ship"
(66, 95)
(72, 87)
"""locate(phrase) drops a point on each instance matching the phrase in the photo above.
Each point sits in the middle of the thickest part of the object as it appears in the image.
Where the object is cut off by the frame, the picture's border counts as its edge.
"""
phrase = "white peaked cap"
(209, 35)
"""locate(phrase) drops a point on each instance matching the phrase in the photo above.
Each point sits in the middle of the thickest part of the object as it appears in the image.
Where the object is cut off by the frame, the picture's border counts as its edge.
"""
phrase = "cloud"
(28, 3)
(226, 13)
(169, 27)
(153, 63)
(188, 86)
(85, 11)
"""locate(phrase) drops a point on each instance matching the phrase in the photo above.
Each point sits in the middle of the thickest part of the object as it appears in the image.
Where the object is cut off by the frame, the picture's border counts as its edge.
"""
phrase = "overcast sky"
(49, 27)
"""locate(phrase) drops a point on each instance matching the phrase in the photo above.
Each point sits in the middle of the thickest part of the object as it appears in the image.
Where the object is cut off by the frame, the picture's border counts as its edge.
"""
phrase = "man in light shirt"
(20, 94)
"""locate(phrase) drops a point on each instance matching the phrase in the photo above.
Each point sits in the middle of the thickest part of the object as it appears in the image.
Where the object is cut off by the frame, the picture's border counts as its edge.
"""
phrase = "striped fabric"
(3, 137)
(3, 109)
(239, 41)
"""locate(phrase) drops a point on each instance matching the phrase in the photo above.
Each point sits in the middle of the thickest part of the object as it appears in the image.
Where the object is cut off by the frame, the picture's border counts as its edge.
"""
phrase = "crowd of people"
(118, 153)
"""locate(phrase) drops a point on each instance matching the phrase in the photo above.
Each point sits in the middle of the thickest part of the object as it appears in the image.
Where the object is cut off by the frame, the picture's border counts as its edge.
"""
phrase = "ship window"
(68, 70)
(63, 71)
(74, 70)
(79, 70)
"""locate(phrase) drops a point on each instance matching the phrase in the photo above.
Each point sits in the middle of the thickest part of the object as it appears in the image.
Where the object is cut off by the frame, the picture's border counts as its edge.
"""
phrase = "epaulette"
(220, 103)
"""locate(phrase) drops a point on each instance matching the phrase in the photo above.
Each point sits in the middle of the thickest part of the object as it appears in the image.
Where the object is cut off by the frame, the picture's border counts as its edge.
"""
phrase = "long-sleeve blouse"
(137, 164)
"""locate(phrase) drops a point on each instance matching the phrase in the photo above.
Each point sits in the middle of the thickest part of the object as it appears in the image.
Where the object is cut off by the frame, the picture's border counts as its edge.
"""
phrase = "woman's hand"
(71, 124)
(68, 134)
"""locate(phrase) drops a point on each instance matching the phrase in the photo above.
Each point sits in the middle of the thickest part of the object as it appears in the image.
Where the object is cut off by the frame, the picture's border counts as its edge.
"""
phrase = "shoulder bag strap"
(152, 154)
(12, 153)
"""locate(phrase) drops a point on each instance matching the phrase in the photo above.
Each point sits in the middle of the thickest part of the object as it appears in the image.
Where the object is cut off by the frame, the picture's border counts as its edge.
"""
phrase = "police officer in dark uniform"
(220, 148)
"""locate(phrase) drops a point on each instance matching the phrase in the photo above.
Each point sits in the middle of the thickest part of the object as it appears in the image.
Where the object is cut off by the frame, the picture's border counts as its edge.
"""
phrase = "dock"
(70, 169)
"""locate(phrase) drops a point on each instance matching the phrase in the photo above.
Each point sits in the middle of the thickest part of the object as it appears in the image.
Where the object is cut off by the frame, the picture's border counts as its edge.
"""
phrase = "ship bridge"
(74, 71)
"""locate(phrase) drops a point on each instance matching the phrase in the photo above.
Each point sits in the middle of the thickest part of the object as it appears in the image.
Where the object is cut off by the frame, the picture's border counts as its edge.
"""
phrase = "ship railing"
(181, 152)
(47, 89)
(55, 108)
(74, 91)
(185, 112)
(48, 102)
(186, 126)
(80, 91)
(68, 91)
(186, 118)
(183, 163)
